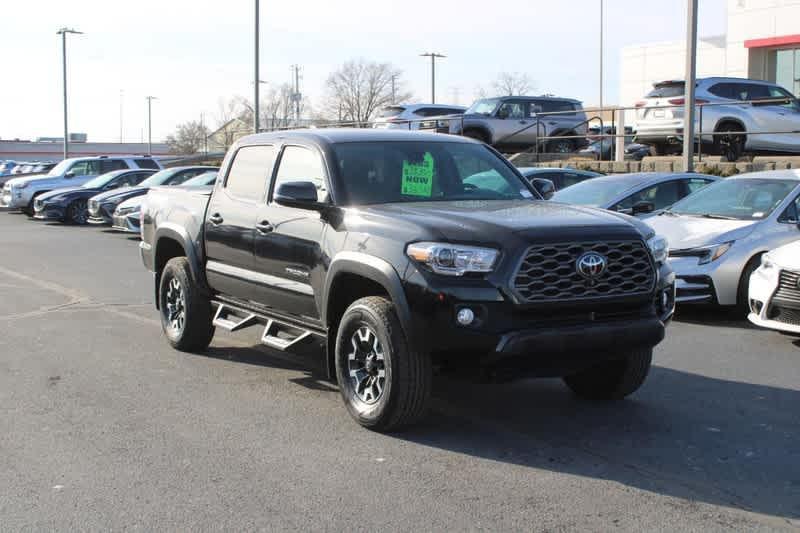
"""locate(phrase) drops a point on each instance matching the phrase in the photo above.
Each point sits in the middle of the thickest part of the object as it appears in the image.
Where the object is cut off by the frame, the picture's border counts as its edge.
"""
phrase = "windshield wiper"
(718, 217)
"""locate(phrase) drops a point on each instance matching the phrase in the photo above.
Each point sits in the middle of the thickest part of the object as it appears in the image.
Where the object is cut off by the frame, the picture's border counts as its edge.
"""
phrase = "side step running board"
(278, 334)
(227, 319)
(282, 336)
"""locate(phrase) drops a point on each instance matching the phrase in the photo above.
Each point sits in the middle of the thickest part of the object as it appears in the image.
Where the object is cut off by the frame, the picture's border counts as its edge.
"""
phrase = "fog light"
(465, 317)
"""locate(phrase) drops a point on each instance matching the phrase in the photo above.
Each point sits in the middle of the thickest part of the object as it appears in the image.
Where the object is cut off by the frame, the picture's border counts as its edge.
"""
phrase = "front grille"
(549, 273)
(788, 289)
(785, 315)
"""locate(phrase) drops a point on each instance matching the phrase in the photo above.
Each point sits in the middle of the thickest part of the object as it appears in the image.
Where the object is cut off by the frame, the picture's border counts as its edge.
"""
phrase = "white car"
(775, 290)
(411, 116)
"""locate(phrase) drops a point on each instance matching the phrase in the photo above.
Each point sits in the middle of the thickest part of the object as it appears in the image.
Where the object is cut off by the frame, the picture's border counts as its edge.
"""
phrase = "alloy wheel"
(175, 305)
(366, 365)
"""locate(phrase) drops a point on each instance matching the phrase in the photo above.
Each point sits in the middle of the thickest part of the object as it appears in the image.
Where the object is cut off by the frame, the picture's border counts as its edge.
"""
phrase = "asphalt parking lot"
(104, 426)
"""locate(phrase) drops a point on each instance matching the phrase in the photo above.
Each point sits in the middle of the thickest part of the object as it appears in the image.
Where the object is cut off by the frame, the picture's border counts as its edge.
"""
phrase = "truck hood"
(466, 221)
(39, 180)
(787, 256)
(683, 232)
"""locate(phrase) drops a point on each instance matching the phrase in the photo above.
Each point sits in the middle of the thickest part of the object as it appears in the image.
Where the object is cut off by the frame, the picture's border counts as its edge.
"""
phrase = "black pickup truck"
(393, 253)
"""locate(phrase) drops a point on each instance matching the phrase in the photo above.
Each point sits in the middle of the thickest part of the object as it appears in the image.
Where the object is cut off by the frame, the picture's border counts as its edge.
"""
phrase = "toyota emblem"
(591, 265)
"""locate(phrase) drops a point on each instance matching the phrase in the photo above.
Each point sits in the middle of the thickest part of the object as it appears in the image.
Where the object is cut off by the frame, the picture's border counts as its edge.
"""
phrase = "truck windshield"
(410, 171)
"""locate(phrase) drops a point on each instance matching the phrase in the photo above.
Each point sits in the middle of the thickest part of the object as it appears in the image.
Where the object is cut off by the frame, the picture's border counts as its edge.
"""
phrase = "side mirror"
(69, 175)
(641, 208)
(299, 194)
(544, 187)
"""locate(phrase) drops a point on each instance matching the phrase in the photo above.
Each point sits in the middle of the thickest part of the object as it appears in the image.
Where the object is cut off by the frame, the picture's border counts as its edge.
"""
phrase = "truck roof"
(347, 135)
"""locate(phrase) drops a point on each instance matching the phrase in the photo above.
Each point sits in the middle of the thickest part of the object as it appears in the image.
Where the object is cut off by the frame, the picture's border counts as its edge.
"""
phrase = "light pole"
(150, 124)
(394, 88)
(63, 33)
(601, 55)
(256, 78)
(433, 56)
(691, 73)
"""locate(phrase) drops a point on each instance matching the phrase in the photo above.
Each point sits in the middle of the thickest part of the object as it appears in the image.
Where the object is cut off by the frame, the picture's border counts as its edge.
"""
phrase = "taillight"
(681, 101)
(640, 103)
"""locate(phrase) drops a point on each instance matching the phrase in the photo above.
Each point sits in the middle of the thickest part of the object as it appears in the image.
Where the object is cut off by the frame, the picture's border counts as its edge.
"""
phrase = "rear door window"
(146, 163)
(249, 172)
(108, 165)
(555, 106)
(391, 111)
(661, 196)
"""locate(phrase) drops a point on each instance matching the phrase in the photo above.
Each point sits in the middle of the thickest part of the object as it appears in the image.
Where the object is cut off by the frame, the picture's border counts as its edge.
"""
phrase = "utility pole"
(256, 79)
(150, 124)
(394, 89)
(121, 92)
(602, 21)
(63, 32)
(296, 95)
(691, 73)
(434, 56)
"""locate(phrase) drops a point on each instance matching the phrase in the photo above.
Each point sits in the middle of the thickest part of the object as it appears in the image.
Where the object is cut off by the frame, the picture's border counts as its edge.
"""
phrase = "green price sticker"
(418, 177)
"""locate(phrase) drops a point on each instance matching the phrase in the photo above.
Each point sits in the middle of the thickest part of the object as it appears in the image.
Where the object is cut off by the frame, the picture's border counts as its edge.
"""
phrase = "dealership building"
(762, 41)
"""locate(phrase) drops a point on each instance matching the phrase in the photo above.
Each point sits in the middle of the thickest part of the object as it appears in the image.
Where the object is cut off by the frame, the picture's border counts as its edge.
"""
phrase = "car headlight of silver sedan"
(659, 247)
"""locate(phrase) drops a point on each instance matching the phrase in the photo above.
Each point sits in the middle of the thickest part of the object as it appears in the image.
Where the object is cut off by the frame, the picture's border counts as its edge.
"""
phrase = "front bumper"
(713, 283)
(769, 306)
(126, 223)
(547, 340)
(13, 199)
(48, 212)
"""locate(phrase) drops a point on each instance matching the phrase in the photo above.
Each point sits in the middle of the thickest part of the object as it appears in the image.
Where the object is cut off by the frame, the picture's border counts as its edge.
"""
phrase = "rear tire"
(730, 146)
(615, 379)
(385, 384)
(186, 317)
(561, 146)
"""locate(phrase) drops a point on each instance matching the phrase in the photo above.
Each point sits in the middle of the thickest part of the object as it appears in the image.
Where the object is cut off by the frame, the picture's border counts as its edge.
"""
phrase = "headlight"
(711, 253)
(659, 247)
(21, 185)
(121, 211)
(452, 259)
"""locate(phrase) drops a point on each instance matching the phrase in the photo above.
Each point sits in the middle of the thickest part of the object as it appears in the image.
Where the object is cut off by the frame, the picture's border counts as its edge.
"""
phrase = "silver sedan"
(638, 194)
(717, 235)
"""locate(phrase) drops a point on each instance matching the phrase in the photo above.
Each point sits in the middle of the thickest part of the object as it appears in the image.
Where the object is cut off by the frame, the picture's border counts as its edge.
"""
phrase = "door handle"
(215, 219)
(264, 227)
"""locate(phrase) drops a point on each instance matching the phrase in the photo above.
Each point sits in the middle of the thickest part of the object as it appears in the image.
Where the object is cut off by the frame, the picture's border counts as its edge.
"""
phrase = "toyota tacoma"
(393, 253)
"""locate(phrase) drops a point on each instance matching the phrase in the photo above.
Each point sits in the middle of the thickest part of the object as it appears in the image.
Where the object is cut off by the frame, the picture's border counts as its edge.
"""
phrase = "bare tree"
(359, 88)
(513, 84)
(189, 138)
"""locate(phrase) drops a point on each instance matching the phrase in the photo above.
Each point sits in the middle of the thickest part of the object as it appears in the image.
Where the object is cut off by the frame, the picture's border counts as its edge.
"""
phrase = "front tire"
(560, 146)
(478, 136)
(185, 312)
(78, 212)
(384, 383)
(614, 379)
(743, 291)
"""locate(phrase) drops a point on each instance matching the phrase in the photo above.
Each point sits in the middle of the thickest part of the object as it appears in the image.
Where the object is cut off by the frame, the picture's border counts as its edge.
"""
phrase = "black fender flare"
(374, 269)
(177, 233)
(482, 129)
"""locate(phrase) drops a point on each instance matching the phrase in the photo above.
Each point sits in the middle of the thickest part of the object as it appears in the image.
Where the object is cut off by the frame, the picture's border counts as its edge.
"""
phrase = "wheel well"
(346, 289)
(483, 132)
(730, 122)
(166, 249)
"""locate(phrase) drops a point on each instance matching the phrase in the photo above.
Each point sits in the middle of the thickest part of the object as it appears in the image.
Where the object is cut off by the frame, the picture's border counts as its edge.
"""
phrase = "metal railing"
(617, 133)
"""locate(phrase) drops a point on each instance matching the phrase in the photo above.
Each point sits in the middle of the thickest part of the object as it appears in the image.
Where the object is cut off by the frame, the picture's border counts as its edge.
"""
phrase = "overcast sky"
(192, 53)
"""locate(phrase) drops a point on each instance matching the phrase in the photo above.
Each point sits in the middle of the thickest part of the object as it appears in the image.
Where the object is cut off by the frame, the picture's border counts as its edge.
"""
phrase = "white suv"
(19, 193)
(412, 116)
(733, 109)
